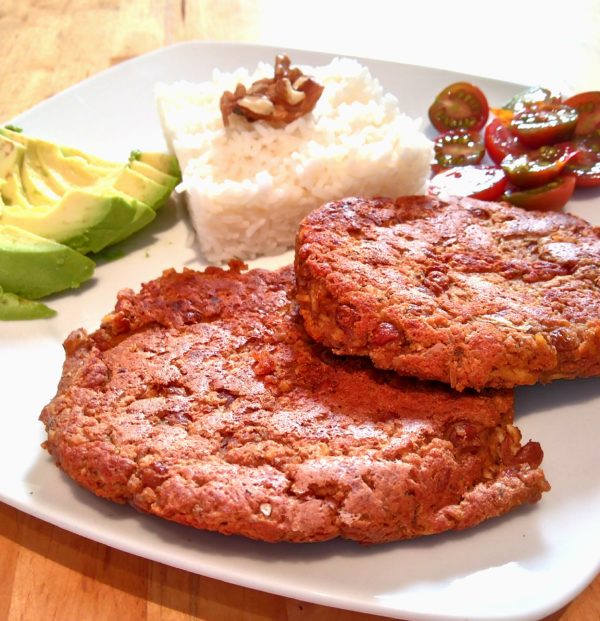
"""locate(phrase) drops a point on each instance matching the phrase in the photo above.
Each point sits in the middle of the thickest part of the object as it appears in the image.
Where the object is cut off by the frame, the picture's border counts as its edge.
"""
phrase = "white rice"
(248, 186)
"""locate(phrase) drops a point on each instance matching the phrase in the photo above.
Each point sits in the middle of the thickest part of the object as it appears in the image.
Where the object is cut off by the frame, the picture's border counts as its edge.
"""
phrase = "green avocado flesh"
(58, 204)
(12, 308)
(33, 267)
(77, 199)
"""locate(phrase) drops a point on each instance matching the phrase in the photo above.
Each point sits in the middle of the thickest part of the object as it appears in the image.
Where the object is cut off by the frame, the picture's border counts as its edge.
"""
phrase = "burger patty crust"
(203, 401)
(470, 293)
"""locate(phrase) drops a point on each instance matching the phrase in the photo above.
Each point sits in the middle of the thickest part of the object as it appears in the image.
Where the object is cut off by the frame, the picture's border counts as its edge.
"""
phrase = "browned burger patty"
(202, 400)
(470, 293)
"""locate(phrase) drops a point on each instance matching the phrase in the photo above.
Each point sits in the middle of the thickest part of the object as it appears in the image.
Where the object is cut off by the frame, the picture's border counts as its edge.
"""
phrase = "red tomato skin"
(551, 197)
(459, 106)
(530, 97)
(544, 124)
(486, 183)
(500, 141)
(588, 108)
(586, 181)
(539, 167)
(457, 147)
(585, 165)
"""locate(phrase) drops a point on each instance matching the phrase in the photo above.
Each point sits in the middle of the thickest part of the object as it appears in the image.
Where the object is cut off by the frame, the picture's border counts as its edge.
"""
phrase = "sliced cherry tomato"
(530, 96)
(500, 141)
(585, 165)
(458, 147)
(550, 197)
(525, 100)
(588, 109)
(484, 182)
(544, 123)
(539, 167)
(459, 106)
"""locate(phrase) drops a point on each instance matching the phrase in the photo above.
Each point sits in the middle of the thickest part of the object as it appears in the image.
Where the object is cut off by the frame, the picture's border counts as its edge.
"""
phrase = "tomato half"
(459, 106)
(539, 167)
(585, 165)
(543, 124)
(550, 197)
(588, 109)
(484, 182)
(500, 141)
(530, 96)
(458, 147)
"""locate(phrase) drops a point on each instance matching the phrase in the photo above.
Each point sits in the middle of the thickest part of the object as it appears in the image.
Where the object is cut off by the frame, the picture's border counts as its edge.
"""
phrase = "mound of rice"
(248, 186)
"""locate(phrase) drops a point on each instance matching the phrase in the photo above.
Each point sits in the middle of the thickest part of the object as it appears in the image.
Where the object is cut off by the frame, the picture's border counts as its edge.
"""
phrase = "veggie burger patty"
(201, 399)
(471, 293)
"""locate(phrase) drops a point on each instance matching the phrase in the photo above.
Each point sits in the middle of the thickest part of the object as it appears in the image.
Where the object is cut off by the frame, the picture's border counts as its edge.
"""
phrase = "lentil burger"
(202, 400)
(470, 293)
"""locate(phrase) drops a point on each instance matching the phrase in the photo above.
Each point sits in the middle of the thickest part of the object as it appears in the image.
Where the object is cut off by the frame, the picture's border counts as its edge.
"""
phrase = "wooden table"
(47, 45)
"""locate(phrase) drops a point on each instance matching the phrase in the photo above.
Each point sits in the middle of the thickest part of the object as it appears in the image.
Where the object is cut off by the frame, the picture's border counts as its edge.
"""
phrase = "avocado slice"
(35, 182)
(11, 157)
(75, 198)
(153, 173)
(11, 154)
(141, 188)
(12, 307)
(111, 214)
(12, 192)
(63, 173)
(161, 161)
(84, 221)
(33, 267)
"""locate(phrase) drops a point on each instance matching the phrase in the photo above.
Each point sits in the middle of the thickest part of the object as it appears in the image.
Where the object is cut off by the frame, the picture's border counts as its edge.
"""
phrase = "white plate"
(522, 566)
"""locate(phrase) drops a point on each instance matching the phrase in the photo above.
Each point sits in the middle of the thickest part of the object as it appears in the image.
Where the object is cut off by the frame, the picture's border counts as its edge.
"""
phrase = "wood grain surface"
(48, 45)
